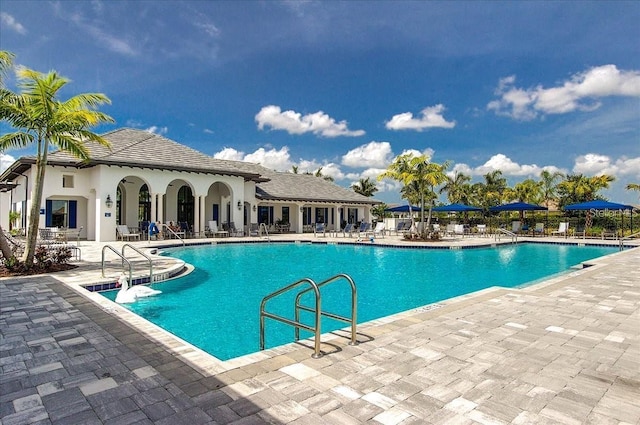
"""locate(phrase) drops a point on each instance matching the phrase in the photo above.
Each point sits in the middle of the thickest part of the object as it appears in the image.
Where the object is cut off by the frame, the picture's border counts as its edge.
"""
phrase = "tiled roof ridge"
(113, 152)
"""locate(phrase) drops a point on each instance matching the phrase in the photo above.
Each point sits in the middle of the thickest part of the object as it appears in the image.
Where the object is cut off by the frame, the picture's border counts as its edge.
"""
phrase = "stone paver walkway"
(563, 351)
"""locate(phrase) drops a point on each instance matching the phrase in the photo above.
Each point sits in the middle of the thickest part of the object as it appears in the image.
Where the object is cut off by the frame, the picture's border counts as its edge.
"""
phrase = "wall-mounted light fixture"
(255, 207)
(108, 202)
(239, 205)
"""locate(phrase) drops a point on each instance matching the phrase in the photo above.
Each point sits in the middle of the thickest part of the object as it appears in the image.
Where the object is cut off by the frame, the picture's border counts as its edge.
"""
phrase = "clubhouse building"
(145, 177)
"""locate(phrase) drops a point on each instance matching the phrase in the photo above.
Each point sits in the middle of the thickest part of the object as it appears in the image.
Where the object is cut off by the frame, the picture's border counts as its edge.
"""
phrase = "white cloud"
(5, 162)
(427, 152)
(293, 122)
(373, 154)
(431, 117)
(229, 154)
(157, 130)
(10, 22)
(505, 164)
(274, 159)
(581, 92)
(112, 41)
(593, 164)
(332, 170)
(208, 131)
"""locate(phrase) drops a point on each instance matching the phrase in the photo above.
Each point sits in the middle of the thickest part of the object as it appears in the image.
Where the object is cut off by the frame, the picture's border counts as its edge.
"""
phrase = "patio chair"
(233, 231)
(319, 228)
(481, 230)
(401, 226)
(123, 232)
(539, 229)
(458, 229)
(254, 229)
(378, 230)
(348, 228)
(214, 231)
(516, 227)
(363, 229)
(184, 227)
(563, 229)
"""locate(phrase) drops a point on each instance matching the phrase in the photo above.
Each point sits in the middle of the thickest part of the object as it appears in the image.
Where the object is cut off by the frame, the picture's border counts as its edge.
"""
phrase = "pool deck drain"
(566, 350)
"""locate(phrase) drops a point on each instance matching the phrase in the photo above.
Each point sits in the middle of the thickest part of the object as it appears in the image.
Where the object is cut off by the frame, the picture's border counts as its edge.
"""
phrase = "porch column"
(154, 209)
(299, 208)
(160, 211)
(197, 207)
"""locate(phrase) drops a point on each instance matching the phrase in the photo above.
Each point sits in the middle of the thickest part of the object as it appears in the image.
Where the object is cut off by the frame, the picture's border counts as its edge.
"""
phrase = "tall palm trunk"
(36, 200)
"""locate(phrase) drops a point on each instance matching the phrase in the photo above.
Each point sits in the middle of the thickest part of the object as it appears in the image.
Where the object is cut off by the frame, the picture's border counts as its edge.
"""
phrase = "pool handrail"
(499, 231)
(124, 260)
(354, 306)
(633, 236)
(144, 255)
(266, 231)
(164, 226)
(315, 329)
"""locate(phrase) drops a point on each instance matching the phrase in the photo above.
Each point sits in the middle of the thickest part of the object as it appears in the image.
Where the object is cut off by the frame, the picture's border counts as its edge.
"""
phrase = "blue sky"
(347, 86)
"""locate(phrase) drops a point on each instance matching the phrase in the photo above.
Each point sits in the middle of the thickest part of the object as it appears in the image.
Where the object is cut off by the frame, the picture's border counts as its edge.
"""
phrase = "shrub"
(61, 255)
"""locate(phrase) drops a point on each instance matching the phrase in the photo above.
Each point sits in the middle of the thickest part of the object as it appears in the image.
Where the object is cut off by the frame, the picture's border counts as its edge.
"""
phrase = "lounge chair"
(319, 228)
(233, 231)
(539, 229)
(378, 230)
(458, 229)
(481, 230)
(363, 229)
(348, 228)
(516, 227)
(401, 226)
(254, 229)
(184, 227)
(214, 231)
(563, 229)
(123, 233)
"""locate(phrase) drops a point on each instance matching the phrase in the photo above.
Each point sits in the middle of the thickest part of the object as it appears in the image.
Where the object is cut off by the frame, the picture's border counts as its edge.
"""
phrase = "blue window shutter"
(49, 208)
(73, 214)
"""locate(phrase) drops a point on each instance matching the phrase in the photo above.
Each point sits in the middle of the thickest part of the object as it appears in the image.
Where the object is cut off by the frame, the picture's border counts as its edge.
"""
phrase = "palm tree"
(495, 187)
(294, 169)
(40, 118)
(549, 185)
(579, 188)
(365, 187)
(458, 188)
(6, 61)
(529, 191)
(319, 174)
(380, 211)
(424, 174)
(633, 186)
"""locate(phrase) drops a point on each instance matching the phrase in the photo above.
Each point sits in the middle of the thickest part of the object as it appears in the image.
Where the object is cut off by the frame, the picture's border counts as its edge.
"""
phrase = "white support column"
(203, 216)
(160, 207)
(154, 209)
(196, 214)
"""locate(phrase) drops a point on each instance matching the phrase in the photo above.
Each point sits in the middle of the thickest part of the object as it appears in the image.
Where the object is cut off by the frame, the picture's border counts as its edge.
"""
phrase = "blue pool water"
(216, 307)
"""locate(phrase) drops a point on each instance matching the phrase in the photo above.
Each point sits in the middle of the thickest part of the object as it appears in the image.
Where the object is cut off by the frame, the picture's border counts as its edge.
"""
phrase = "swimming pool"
(216, 307)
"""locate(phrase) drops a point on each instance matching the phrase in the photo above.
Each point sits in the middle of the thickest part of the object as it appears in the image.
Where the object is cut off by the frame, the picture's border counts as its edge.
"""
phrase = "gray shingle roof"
(308, 188)
(141, 149)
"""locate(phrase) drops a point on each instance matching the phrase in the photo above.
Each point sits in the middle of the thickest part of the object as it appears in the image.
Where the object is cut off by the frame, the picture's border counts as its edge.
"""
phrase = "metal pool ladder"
(310, 285)
(499, 232)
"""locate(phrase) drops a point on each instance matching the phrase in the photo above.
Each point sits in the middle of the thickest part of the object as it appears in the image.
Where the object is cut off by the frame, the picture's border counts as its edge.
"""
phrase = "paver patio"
(563, 351)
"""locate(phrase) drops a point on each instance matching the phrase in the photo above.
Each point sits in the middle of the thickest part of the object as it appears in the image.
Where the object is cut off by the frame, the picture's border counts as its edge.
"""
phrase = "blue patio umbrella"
(456, 208)
(598, 204)
(517, 206)
(402, 209)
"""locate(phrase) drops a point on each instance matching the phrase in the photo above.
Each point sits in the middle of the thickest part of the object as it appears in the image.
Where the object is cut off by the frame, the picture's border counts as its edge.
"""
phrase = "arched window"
(144, 204)
(185, 205)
